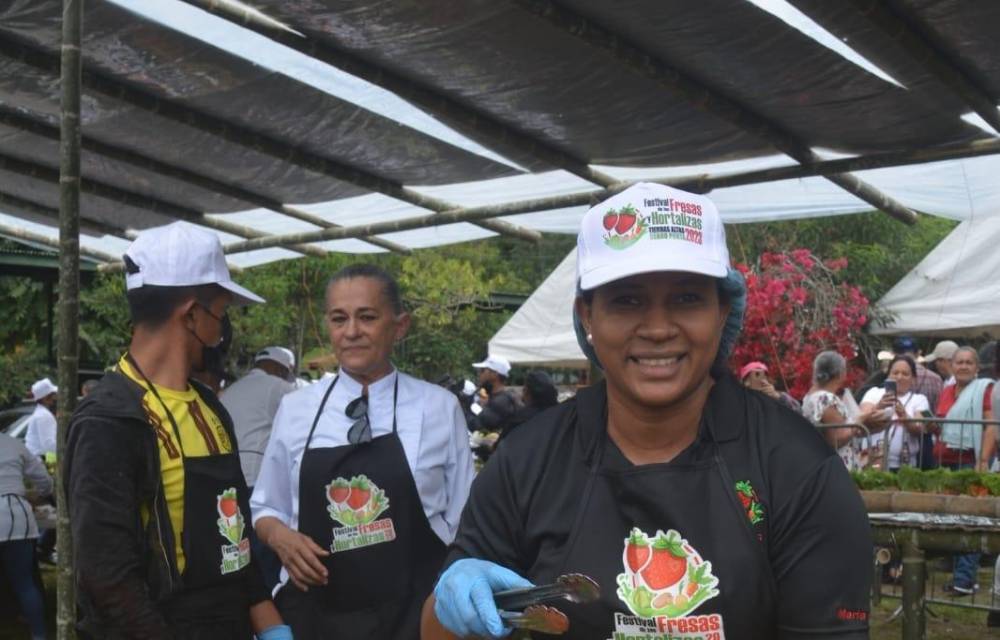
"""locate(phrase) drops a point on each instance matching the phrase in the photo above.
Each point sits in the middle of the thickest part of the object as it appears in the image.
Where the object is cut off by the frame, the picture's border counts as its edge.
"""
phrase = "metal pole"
(914, 576)
(69, 296)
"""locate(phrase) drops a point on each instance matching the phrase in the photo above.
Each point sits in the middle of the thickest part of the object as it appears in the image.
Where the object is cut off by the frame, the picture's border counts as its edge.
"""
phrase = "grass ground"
(947, 621)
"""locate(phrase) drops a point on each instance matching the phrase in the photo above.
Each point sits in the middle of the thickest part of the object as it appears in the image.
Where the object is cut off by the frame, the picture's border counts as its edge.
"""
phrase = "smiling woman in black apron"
(363, 479)
(702, 508)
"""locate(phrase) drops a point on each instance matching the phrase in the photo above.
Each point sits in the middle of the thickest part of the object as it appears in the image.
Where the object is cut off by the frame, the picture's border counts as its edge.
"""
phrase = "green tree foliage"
(879, 249)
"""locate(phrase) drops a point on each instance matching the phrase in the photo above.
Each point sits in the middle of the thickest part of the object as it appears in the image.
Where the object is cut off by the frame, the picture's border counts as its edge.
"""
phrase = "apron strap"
(152, 388)
(326, 396)
(319, 412)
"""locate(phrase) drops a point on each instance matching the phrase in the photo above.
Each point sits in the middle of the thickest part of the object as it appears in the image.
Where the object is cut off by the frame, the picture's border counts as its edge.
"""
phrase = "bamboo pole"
(16, 120)
(929, 57)
(588, 198)
(250, 139)
(914, 581)
(30, 206)
(477, 124)
(150, 203)
(69, 298)
(910, 502)
(705, 98)
(37, 238)
(953, 541)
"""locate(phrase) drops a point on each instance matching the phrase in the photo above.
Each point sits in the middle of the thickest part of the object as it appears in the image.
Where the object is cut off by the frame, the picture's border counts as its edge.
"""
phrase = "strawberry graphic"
(610, 220)
(667, 565)
(339, 490)
(360, 492)
(227, 505)
(637, 551)
(625, 221)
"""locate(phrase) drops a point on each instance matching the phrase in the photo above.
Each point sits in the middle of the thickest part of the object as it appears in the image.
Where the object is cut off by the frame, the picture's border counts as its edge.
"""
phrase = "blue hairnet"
(733, 286)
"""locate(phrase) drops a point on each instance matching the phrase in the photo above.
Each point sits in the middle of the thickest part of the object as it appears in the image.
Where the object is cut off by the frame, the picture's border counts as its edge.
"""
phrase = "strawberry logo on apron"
(665, 579)
(236, 554)
(355, 505)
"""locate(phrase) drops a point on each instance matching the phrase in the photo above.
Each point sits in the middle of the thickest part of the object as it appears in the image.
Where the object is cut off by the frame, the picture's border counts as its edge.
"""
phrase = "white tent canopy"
(935, 297)
(955, 289)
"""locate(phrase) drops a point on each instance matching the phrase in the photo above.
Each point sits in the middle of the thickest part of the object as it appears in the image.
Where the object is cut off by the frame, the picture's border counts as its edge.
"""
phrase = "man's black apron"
(695, 567)
(360, 502)
(215, 538)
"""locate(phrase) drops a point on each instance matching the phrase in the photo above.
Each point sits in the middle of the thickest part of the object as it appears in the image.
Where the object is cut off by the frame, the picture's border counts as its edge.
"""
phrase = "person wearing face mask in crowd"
(364, 477)
(157, 500)
(700, 507)
(253, 402)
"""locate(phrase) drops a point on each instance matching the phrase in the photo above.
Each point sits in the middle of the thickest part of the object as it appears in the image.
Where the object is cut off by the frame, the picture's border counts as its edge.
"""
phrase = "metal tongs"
(535, 615)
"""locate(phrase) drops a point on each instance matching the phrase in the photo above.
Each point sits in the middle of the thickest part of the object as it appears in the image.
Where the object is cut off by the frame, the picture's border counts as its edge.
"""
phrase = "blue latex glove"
(277, 632)
(464, 597)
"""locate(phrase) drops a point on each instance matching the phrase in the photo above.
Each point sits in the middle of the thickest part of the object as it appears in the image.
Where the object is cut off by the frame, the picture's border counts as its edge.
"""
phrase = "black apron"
(215, 538)
(360, 502)
(695, 568)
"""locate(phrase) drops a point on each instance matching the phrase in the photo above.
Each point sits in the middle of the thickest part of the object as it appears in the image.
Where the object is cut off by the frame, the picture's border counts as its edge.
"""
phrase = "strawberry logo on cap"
(624, 227)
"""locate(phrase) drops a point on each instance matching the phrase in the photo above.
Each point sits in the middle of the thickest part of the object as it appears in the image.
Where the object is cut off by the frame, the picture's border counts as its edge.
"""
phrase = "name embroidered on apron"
(355, 505)
(236, 554)
(664, 580)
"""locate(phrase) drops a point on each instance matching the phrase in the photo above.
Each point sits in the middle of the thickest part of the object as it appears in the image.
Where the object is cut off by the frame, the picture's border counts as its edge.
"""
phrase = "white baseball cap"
(650, 227)
(944, 349)
(497, 363)
(181, 254)
(281, 355)
(43, 388)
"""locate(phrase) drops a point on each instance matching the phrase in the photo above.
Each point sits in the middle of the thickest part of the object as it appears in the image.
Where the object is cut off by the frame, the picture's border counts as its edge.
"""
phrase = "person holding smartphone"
(900, 403)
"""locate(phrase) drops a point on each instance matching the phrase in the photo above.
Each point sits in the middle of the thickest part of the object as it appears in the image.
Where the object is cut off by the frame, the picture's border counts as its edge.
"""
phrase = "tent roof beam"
(705, 98)
(18, 121)
(101, 83)
(902, 30)
(478, 124)
(102, 190)
(700, 183)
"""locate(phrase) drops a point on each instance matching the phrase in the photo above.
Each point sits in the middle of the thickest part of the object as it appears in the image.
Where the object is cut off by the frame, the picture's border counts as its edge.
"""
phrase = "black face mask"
(213, 359)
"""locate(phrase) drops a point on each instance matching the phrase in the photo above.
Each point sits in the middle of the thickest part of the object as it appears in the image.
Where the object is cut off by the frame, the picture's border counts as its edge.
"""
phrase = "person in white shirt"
(903, 434)
(253, 401)
(18, 528)
(40, 437)
(364, 478)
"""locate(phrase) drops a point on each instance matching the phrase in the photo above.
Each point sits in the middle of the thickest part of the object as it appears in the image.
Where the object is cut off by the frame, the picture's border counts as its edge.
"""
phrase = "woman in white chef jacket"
(364, 478)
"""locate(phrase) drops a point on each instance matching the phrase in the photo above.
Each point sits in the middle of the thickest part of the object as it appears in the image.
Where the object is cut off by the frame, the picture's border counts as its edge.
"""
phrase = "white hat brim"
(241, 295)
(626, 268)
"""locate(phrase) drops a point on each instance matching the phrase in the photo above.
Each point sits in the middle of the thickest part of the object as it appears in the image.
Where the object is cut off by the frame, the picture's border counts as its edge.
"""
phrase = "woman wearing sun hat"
(698, 506)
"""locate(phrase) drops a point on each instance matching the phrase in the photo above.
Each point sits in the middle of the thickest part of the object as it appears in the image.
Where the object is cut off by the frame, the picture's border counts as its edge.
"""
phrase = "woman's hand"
(463, 597)
(298, 552)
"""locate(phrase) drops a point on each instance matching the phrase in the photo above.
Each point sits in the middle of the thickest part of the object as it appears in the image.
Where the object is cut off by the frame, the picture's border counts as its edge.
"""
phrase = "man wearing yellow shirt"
(158, 502)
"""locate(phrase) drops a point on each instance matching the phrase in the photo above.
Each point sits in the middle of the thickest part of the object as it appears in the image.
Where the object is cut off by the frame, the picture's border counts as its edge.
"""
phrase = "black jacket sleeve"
(821, 555)
(496, 413)
(104, 475)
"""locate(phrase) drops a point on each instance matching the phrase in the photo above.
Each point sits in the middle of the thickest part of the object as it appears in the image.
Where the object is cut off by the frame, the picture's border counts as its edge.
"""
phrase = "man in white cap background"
(253, 401)
(157, 499)
(40, 437)
(502, 403)
(939, 360)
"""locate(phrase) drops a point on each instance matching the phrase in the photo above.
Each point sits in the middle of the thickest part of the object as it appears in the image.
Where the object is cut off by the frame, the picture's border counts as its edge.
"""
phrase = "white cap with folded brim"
(42, 389)
(281, 355)
(181, 254)
(944, 349)
(650, 227)
(497, 363)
